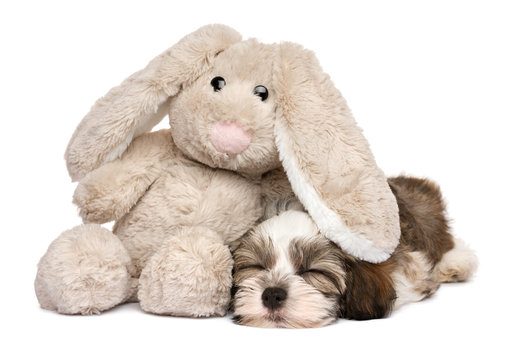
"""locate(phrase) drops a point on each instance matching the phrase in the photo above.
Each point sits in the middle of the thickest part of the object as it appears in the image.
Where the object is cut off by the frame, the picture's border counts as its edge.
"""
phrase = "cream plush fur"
(178, 202)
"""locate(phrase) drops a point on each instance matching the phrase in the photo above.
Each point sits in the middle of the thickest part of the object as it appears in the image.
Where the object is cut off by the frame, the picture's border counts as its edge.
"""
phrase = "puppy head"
(287, 275)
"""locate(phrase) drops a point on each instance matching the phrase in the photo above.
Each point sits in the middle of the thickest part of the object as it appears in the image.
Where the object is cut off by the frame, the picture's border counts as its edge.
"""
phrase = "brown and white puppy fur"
(286, 274)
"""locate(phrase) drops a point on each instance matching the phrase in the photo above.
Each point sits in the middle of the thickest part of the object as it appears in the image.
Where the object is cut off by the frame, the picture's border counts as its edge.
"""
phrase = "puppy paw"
(458, 264)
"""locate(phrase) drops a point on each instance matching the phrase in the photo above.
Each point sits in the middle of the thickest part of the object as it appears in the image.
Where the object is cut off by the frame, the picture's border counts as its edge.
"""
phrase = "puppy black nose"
(273, 297)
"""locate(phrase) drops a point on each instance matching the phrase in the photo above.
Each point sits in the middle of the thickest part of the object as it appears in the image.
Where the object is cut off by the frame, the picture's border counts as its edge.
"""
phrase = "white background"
(429, 82)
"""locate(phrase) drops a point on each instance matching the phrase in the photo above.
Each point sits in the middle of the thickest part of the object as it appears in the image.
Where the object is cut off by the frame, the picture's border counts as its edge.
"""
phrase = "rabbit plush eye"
(261, 91)
(218, 83)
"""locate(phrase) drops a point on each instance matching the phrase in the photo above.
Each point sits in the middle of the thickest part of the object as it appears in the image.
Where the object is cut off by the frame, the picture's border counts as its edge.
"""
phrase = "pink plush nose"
(229, 138)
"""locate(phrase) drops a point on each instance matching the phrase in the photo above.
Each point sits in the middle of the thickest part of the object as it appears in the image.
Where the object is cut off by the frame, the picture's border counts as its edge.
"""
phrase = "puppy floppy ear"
(141, 101)
(328, 161)
(369, 291)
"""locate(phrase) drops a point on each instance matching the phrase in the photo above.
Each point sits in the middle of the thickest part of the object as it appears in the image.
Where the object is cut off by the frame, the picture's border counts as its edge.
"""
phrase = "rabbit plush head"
(252, 107)
(226, 117)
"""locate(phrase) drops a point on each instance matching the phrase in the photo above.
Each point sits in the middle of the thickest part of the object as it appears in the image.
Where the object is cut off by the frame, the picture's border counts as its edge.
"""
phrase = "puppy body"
(286, 274)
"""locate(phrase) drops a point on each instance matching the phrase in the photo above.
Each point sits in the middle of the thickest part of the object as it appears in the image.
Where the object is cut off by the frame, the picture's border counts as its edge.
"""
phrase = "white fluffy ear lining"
(328, 161)
(140, 102)
(330, 223)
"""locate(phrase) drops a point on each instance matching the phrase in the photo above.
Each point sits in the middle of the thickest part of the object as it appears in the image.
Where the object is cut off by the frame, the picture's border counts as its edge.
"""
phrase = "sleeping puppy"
(286, 274)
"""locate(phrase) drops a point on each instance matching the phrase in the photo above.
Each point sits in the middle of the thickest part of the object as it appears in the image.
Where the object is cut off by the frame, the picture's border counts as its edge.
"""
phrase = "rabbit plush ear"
(141, 101)
(328, 161)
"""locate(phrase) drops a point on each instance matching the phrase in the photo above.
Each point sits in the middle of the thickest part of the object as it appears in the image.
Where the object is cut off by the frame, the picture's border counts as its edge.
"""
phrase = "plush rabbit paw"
(94, 206)
(101, 197)
(190, 275)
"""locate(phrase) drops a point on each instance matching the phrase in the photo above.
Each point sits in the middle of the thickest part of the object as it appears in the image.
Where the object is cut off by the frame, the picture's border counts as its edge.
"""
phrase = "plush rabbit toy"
(250, 123)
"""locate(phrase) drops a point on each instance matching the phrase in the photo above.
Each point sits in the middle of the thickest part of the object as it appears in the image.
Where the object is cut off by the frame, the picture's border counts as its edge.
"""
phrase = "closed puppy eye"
(261, 91)
(321, 280)
(313, 271)
(244, 272)
(254, 267)
(218, 83)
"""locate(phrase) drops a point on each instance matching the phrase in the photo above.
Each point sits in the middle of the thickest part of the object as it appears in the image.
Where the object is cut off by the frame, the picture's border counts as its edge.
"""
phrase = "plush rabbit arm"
(328, 161)
(109, 192)
(139, 103)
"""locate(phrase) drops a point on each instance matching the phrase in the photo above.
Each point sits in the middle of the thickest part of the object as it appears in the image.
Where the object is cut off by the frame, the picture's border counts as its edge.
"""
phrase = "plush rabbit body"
(250, 123)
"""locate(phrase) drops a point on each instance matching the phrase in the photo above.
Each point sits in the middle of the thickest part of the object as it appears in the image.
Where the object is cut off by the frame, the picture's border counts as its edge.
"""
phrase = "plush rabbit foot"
(86, 270)
(190, 275)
